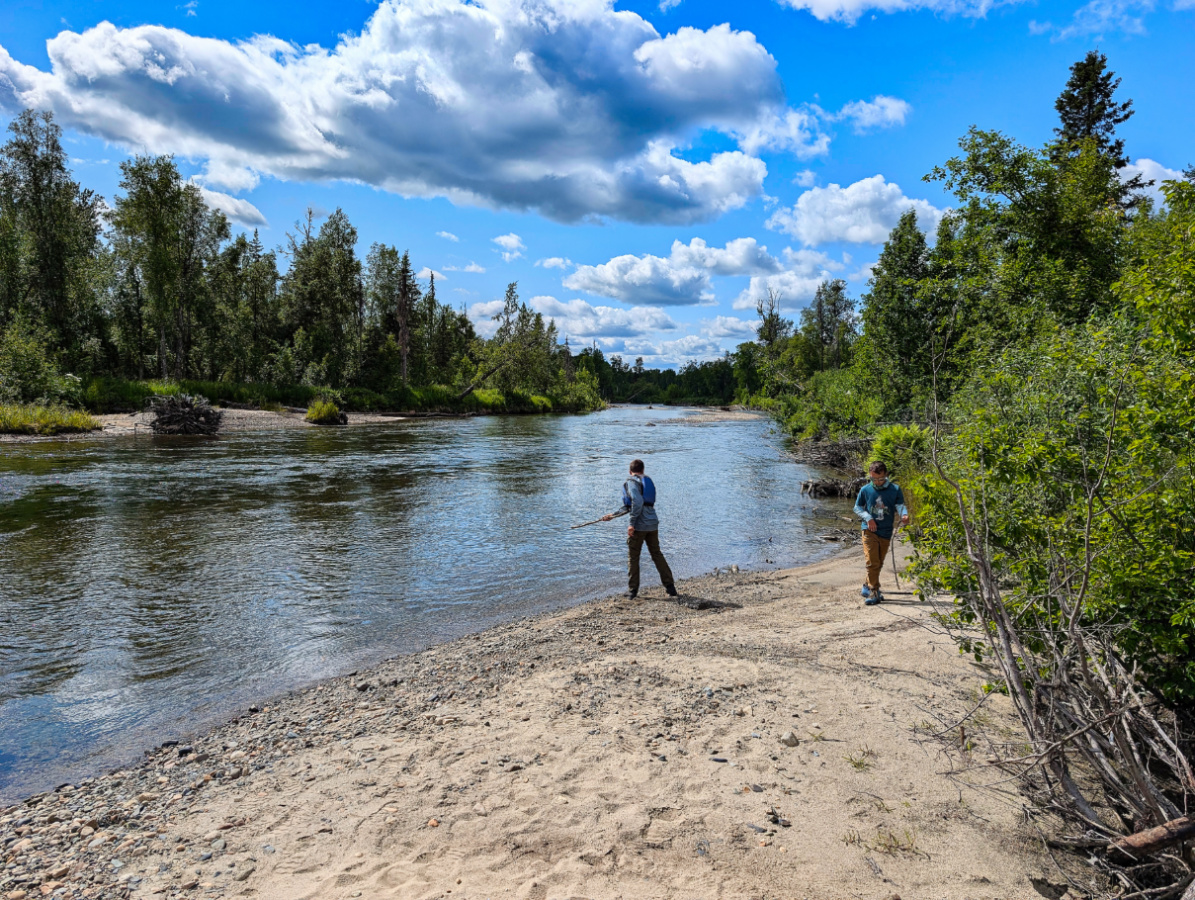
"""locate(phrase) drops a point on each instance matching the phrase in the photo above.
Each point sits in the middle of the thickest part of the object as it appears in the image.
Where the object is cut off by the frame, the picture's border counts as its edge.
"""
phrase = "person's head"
(878, 473)
(636, 467)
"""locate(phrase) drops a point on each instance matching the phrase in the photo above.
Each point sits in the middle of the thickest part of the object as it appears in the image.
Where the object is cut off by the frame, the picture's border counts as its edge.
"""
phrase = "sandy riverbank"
(616, 750)
(118, 424)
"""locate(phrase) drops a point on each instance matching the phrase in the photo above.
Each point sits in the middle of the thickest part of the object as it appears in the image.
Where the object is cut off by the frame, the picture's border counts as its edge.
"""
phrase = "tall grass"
(22, 419)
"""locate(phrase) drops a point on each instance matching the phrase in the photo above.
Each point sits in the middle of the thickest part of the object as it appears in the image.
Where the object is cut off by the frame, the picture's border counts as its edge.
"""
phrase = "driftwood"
(845, 454)
(831, 487)
(1152, 840)
(184, 414)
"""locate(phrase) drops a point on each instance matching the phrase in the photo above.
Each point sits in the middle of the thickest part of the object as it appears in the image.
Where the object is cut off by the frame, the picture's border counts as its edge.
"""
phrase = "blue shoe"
(866, 592)
(873, 597)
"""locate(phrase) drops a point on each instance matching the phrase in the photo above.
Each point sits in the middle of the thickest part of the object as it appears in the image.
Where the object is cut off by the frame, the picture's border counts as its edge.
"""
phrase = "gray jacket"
(643, 518)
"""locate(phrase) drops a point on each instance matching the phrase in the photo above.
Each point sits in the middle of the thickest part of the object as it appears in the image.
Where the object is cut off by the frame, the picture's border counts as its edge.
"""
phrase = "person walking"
(639, 499)
(879, 503)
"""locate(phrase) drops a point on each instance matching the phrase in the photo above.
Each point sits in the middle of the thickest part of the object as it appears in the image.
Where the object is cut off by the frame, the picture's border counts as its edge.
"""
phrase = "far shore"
(766, 735)
(241, 420)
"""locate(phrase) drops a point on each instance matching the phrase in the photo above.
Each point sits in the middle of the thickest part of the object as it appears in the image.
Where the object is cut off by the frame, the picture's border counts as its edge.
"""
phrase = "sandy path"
(616, 750)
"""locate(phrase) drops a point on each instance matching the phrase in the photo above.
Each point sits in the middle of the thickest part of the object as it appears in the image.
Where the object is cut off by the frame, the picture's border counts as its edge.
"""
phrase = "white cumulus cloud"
(860, 213)
(555, 262)
(728, 327)
(472, 267)
(1151, 171)
(512, 246)
(879, 112)
(448, 236)
(578, 319)
(236, 208)
(796, 284)
(1099, 18)
(683, 278)
(594, 103)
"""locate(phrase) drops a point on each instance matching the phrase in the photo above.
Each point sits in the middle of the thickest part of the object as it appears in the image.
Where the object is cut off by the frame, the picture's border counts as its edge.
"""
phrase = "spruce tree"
(1088, 110)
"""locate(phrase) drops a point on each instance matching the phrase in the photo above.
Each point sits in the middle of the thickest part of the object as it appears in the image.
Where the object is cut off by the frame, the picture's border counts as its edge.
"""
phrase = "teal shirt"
(881, 505)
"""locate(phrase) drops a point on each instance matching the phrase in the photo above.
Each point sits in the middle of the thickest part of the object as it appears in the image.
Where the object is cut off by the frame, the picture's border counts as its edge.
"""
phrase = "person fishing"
(878, 504)
(639, 501)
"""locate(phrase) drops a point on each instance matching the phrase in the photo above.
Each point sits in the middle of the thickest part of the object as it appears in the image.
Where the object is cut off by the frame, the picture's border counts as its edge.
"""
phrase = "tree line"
(155, 286)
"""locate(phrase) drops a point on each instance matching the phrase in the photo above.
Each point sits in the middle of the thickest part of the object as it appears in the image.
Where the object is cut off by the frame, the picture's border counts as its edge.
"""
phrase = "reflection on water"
(147, 585)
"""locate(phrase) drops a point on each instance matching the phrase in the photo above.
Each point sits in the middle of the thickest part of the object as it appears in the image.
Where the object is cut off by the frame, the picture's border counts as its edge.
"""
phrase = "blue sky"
(643, 170)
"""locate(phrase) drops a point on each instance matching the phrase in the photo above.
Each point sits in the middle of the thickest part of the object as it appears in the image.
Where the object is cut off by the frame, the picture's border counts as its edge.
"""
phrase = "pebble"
(788, 739)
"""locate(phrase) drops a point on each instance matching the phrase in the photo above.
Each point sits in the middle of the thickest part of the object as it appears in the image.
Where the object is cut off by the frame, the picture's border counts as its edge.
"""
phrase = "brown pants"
(635, 544)
(875, 549)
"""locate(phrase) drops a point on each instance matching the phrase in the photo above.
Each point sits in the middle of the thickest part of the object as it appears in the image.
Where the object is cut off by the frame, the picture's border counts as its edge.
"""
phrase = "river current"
(149, 585)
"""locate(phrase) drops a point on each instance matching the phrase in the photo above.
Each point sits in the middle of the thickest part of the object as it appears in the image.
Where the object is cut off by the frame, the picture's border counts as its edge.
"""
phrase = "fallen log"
(832, 487)
(1153, 840)
(184, 414)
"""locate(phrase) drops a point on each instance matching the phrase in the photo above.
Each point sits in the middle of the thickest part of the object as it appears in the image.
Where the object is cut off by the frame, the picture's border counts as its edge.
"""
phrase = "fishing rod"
(602, 519)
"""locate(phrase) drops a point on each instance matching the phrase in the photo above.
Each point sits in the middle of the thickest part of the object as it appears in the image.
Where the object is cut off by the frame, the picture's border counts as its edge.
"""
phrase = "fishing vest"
(649, 493)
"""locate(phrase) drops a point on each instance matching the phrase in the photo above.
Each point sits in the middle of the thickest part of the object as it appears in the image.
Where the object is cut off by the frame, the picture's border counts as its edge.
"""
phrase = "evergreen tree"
(1089, 111)
(894, 323)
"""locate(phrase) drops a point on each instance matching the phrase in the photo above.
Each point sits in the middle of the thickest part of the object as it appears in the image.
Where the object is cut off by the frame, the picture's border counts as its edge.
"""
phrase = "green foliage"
(27, 370)
(1076, 454)
(834, 404)
(45, 420)
(323, 411)
(904, 449)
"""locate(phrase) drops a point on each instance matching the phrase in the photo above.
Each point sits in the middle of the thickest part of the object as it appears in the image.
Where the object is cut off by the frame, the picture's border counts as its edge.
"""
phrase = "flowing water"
(151, 585)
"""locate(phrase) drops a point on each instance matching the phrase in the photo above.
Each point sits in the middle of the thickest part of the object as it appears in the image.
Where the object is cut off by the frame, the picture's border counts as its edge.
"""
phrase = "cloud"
(555, 262)
(236, 208)
(1099, 18)
(472, 267)
(595, 103)
(683, 278)
(424, 273)
(849, 11)
(666, 5)
(512, 246)
(807, 178)
(576, 318)
(728, 326)
(482, 316)
(861, 213)
(190, 7)
(880, 112)
(448, 236)
(676, 352)
(796, 284)
(1151, 171)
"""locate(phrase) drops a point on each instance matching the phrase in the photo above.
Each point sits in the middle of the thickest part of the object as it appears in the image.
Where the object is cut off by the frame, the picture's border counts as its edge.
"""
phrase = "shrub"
(904, 449)
(24, 419)
(28, 372)
(324, 412)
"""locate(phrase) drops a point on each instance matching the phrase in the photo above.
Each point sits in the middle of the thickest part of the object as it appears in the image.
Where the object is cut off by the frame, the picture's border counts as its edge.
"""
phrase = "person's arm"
(861, 509)
(901, 508)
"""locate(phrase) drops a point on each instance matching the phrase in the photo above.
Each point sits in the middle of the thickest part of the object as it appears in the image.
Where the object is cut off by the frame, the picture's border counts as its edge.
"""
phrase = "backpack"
(649, 493)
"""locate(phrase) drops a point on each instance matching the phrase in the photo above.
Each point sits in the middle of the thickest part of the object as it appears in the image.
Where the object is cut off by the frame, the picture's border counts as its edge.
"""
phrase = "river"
(149, 586)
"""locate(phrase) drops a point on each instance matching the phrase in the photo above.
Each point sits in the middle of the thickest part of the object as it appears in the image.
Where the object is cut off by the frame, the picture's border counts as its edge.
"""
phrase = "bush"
(25, 419)
(28, 372)
(904, 449)
(324, 412)
(835, 403)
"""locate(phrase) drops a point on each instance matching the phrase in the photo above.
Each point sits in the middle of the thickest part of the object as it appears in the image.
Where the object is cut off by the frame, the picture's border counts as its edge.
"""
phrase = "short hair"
(637, 466)
(877, 468)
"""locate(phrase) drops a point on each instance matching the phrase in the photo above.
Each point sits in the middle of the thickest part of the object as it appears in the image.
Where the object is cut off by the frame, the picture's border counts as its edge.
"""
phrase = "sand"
(619, 749)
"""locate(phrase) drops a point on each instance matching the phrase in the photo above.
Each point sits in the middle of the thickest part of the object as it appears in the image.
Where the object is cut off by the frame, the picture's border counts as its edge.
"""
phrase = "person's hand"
(607, 517)
(904, 520)
(871, 524)
(630, 531)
